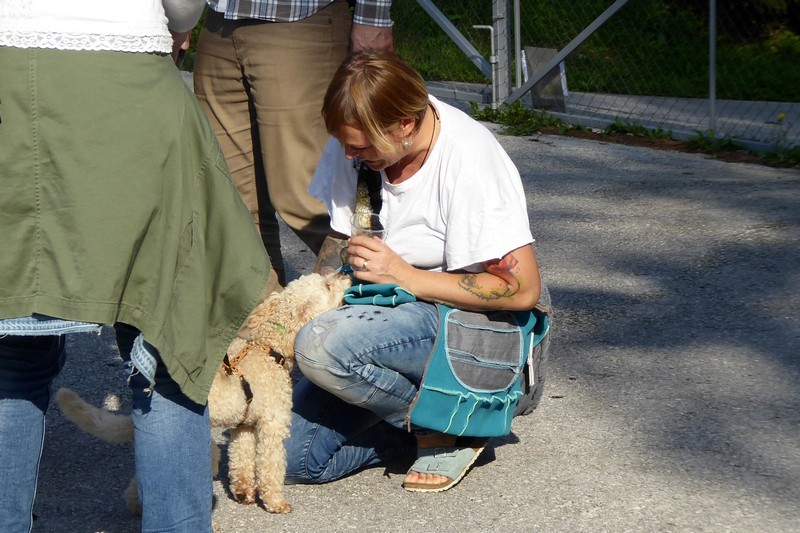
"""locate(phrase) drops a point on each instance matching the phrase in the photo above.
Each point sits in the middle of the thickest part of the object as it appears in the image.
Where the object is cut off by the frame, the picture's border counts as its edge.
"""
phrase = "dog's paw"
(245, 497)
(281, 507)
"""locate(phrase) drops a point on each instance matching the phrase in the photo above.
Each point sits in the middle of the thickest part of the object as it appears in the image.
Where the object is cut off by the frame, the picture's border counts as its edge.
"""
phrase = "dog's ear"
(262, 312)
(270, 322)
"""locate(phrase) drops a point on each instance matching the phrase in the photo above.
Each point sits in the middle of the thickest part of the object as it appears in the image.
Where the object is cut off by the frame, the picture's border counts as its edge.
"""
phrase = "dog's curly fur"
(258, 426)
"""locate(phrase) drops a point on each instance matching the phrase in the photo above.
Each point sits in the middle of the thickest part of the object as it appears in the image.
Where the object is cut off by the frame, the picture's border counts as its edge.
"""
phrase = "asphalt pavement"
(672, 400)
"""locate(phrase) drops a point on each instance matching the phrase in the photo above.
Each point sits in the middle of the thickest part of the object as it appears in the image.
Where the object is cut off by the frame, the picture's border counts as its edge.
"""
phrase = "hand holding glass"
(370, 225)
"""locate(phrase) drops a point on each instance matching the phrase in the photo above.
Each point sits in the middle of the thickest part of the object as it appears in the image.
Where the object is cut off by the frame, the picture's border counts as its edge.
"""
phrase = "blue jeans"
(172, 438)
(362, 367)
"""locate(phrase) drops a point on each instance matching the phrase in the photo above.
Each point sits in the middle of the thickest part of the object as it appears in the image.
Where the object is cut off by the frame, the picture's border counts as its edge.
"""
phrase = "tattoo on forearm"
(470, 284)
(330, 254)
(503, 269)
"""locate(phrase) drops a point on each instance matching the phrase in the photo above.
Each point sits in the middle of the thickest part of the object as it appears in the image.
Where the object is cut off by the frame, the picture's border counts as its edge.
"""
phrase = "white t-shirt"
(466, 205)
(111, 25)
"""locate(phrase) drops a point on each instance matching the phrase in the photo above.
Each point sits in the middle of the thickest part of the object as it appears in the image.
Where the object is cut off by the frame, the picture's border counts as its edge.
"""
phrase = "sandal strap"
(448, 461)
(445, 461)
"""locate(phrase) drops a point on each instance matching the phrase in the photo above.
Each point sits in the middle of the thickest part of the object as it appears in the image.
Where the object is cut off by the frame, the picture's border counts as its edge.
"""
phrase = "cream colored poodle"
(251, 393)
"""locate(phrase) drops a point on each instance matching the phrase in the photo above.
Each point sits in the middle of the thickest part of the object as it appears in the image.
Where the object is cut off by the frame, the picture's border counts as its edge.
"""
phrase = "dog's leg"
(241, 464)
(214, 459)
(227, 401)
(273, 412)
(271, 463)
(131, 496)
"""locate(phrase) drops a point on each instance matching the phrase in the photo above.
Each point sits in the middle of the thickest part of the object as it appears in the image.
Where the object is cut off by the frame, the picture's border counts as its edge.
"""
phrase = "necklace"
(394, 172)
(433, 132)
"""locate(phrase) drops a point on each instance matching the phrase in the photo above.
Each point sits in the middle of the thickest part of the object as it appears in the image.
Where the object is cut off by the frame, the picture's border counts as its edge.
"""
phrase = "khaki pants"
(262, 85)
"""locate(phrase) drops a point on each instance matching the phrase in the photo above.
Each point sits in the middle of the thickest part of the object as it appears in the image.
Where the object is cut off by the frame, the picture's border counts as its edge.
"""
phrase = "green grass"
(626, 128)
(649, 48)
(519, 120)
(420, 41)
(783, 158)
(710, 143)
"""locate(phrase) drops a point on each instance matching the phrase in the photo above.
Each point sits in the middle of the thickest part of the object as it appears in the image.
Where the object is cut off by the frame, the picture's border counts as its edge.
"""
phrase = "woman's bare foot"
(432, 440)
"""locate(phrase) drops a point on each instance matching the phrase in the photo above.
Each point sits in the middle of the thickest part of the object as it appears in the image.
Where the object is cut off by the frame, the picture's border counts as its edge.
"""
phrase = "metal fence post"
(517, 46)
(712, 65)
(502, 36)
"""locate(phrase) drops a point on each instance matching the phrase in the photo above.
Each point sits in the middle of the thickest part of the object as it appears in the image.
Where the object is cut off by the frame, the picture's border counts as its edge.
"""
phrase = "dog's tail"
(103, 424)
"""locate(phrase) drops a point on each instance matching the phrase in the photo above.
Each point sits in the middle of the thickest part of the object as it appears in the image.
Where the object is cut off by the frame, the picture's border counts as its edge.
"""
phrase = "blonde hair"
(373, 91)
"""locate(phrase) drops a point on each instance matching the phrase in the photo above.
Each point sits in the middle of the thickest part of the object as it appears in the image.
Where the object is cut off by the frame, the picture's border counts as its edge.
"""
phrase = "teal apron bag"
(472, 383)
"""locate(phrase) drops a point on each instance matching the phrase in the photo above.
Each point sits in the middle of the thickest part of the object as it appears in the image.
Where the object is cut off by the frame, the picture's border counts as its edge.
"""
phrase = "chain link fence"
(650, 63)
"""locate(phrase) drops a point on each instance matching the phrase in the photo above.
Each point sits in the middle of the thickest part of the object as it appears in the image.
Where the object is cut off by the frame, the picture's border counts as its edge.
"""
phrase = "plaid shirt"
(369, 12)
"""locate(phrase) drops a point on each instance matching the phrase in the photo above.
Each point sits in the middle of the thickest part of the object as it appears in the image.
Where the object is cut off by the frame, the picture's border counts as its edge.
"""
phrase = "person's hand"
(332, 254)
(366, 255)
(363, 37)
(373, 261)
(503, 269)
(180, 42)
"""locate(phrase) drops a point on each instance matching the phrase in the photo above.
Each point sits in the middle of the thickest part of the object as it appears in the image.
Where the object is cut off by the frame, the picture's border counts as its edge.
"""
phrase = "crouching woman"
(456, 276)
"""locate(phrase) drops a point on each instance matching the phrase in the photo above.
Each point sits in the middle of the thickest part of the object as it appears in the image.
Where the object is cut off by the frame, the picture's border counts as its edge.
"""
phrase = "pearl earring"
(406, 143)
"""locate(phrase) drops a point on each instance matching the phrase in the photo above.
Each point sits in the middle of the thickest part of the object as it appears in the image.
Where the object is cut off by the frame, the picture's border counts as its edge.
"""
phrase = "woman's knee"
(313, 354)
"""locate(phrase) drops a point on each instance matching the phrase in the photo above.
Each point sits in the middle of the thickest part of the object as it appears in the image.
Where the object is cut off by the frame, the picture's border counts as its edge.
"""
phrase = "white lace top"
(114, 25)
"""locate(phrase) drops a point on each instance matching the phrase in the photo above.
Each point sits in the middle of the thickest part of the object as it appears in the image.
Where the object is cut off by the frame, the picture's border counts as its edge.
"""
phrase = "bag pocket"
(485, 352)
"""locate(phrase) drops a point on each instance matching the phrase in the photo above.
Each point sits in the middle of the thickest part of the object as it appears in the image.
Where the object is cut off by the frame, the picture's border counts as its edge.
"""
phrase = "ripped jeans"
(172, 435)
(362, 366)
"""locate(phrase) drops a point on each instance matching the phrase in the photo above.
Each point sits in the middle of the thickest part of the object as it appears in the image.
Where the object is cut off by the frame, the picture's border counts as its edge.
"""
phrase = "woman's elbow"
(527, 299)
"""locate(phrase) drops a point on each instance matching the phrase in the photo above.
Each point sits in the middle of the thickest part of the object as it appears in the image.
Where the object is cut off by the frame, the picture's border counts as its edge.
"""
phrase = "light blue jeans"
(362, 367)
(172, 437)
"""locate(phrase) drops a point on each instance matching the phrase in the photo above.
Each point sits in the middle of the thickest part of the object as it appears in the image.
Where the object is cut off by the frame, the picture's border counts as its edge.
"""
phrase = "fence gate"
(498, 67)
(620, 83)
